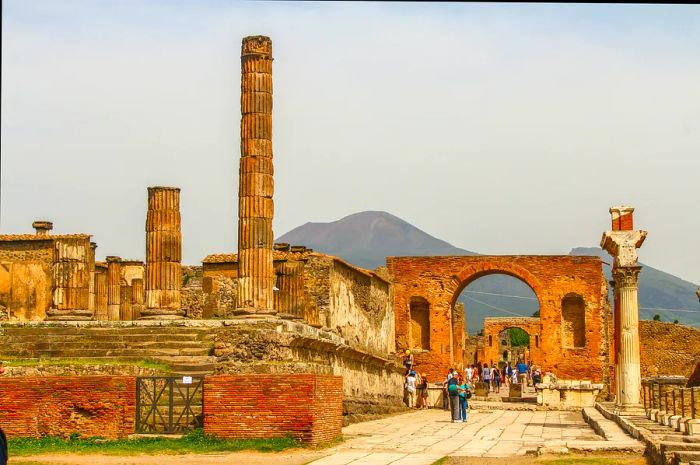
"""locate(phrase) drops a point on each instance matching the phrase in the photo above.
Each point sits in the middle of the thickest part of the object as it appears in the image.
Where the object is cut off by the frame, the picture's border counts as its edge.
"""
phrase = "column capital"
(626, 276)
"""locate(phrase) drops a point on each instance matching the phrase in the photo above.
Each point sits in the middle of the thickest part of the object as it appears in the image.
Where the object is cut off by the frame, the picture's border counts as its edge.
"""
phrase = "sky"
(500, 128)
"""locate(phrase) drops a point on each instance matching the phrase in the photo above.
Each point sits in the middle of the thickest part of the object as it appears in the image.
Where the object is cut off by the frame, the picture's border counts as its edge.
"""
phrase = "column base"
(289, 316)
(162, 314)
(630, 410)
(69, 315)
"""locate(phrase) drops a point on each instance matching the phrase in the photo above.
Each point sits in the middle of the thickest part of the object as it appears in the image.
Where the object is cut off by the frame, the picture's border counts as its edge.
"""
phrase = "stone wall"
(101, 406)
(668, 349)
(440, 280)
(26, 278)
(191, 291)
(372, 384)
(305, 406)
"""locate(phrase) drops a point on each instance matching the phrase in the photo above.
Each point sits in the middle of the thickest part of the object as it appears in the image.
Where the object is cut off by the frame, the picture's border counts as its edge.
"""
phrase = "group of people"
(458, 391)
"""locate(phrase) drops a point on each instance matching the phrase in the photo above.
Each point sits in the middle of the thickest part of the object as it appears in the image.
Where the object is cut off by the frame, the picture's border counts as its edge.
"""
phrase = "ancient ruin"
(324, 334)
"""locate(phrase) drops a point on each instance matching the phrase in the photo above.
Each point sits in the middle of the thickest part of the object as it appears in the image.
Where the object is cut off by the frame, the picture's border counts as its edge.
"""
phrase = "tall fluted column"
(256, 276)
(71, 279)
(626, 284)
(163, 255)
(622, 243)
(137, 297)
(113, 288)
(101, 293)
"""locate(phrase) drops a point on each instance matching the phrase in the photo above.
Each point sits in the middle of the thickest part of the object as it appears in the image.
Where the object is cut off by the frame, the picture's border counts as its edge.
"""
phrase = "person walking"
(469, 372)
(411, 389)
(507, 373)
(408, 361)
(486, 376)
(496, 374)
(423, 391)
(445, 392)
(522, 373)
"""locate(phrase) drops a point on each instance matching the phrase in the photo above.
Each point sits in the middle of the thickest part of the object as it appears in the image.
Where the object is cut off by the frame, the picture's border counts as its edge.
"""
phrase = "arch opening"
(420, 323)
(573, 321)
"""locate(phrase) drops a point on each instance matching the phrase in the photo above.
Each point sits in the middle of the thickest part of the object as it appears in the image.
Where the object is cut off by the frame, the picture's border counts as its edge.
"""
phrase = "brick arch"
(472, 272)
(495, 326)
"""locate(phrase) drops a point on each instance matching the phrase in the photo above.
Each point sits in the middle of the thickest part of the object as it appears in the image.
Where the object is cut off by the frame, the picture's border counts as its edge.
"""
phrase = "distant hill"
(657, 291)
(365, 239)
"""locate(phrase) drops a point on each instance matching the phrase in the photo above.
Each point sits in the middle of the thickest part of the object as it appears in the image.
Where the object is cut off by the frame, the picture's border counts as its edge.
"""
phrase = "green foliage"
(518, 337)
(536, 314)
(675, 322)
(31, 362)
(192, 443)
(657, 317)
(442, 461)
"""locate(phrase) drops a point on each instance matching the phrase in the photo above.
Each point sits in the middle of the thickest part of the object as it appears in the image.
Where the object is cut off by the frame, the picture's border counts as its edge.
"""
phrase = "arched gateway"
(573, 331)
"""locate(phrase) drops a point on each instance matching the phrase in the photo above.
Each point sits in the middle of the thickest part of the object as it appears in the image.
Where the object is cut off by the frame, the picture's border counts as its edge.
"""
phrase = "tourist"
(537, 376)
(423, 400)
(475, 376)
(507, 374)
(486, 375)
(496, 375)
(445, 393)
(464, 394)
(408, 362)
(514, 376)
(411, 389)
(469, 371)
(522, 372)
(453, 394)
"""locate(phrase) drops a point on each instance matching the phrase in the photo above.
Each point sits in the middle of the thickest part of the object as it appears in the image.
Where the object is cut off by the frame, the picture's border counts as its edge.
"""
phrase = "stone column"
(125, 309)
(622, 243)
(256, 275)
(163, 255)
(101, 293)
(113, 288)
(91, 285)
(137, 297)
(71, 279)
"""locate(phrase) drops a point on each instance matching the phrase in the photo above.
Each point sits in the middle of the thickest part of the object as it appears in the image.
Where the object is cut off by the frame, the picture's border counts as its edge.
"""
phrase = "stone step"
(118, 353)
(681, 457)
(106, 345)
(106, 337)
(44, 331)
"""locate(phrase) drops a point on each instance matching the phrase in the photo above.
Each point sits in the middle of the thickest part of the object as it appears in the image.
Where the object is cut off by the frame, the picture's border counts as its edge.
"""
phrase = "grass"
(196, 442)
(441, 461)
(31, 362)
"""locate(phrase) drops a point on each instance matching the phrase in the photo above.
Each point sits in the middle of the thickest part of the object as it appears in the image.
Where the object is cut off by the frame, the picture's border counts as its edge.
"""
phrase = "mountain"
(365, 239)
(659, 292)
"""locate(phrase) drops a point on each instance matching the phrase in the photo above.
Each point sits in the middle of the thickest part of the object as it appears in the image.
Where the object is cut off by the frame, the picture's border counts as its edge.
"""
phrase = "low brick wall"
(59, 406)
(306, 406)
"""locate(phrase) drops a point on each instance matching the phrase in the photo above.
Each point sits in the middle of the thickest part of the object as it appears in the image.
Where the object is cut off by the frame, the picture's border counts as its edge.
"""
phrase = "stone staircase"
(188, 350)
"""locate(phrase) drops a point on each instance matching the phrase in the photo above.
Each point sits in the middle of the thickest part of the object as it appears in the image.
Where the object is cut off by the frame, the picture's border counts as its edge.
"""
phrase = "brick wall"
(58, 406)
(307, 407)
(440, 280)
(668, 349)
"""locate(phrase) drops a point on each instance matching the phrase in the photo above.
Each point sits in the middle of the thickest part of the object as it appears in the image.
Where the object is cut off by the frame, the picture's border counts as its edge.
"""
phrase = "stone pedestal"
(113, 288)
(71, 280)
(163, 255)
(256, 276)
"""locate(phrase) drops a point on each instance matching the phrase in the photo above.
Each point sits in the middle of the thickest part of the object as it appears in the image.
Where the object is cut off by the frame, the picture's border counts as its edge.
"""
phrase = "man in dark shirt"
(3, 438)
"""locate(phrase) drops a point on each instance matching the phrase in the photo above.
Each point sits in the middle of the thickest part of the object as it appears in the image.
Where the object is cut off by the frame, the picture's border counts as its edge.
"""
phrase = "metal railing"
(671, 398)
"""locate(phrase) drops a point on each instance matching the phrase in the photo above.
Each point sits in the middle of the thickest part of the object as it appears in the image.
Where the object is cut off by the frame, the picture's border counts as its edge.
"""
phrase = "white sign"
(186, 380)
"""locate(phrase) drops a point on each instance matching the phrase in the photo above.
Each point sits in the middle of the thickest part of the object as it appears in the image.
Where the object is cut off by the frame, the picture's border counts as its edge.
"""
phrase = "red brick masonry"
(58, 406)
(306, 406)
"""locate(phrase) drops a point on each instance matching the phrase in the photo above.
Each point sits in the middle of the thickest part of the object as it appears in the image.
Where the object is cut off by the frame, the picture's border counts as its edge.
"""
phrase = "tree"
(657, 317)
(675, 322)
(518, 337)
(536, 314)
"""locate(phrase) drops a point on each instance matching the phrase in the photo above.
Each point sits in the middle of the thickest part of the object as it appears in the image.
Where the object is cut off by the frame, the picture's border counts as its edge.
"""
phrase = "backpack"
(468, 393)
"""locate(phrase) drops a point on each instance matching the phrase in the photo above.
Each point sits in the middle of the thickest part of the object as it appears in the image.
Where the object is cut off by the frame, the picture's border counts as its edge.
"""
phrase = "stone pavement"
(422, 437)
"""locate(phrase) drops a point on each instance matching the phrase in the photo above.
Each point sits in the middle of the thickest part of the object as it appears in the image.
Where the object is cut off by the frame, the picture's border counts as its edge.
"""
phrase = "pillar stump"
(71, 279)
(163, 255)
(113, 287)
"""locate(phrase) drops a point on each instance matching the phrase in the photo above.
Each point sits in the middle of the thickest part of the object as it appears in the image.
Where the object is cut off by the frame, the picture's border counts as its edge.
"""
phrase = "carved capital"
(257, 45)
(623, 246)
(627, 276)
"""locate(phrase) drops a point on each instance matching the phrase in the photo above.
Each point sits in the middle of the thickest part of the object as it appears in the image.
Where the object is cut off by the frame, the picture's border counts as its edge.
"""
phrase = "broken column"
(42, 227)
(91, 282)
(113, 288)
(101, 292)
(137, 297)
(622, 243)
(71, 278)
(125, 308)
(163, 255)
(256, 275)
(289, 295)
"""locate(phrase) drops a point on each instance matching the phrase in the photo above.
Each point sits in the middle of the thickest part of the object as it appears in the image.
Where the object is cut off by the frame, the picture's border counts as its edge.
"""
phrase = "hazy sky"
(500, 128)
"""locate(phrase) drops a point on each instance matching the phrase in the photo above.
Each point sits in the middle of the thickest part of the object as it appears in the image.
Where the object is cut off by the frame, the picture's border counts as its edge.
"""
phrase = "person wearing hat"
(408, 362)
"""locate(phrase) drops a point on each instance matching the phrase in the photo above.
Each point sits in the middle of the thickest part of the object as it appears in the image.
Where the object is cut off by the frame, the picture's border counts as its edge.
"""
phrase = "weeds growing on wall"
(192, 443)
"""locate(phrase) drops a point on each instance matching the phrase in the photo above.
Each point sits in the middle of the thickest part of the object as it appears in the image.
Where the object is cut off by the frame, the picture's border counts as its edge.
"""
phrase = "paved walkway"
(422, 437)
